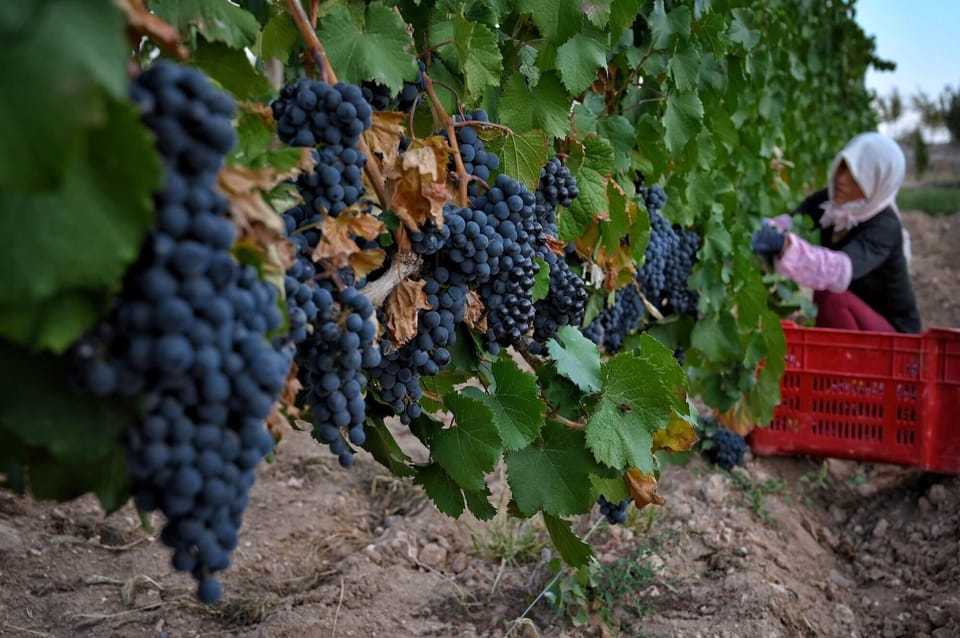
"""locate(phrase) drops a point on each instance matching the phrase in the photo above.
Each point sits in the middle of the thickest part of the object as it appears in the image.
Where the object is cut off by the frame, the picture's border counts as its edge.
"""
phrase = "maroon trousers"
(847, 311)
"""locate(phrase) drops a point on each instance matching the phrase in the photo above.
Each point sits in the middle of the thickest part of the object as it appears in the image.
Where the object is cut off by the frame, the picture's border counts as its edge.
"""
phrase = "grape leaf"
(682, 119)
(579, 59)
(384, 447)
(613, 489)
(578, 358)
(441, 488)
(557, 20)
(103, 207)
(381, 49)
(552, 474)
(561, 394)
(572, 549)
(637, 400)
(541, 281)
(620, 133)
(479, 504)
(515, 404)
(664, 26)
(48, 109)
(643, 488)
(35, 403)
(685, 68)
(548, 108)
(479, 54)
(216, 20)
(472, 447)
(231, 68)
(597, 11)
(623, 13)
(523, 155)
(740, 31)
(280, 37)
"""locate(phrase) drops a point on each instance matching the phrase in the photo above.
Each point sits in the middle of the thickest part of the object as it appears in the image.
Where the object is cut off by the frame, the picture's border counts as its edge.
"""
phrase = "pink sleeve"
(814, 266)
(783, 223)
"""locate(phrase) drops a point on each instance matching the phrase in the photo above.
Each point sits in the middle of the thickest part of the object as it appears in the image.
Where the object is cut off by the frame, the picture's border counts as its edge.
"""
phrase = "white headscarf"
(878, 166)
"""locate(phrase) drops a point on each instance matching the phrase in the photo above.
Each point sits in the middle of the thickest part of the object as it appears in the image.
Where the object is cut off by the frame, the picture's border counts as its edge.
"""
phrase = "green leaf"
(472, 447)
(682, 119)
(73, 245)
(637, 400)
(623, 13)
(58, 71)
(280, 37)
(216, 20)
(717, 338)
(578, 60)
(547, 108)
(572, 549)
(741, 31)
(541, 281)
(441, 488)
(232, 69)
(685, 68)
(556, 20)
(528, 65)
(590, 162)
(561, 394)
(578, 359)
(613, 489)
(37, 407)
(552, 475)
(664, 26)
(523, 155)
(515, 404)
(479, 55)
(620, 133)
(385, 449)
(377, 48)
(480, 506)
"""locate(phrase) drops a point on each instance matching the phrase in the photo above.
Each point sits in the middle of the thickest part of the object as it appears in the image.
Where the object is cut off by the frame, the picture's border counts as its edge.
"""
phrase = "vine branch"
(377, 291)
(448, 123)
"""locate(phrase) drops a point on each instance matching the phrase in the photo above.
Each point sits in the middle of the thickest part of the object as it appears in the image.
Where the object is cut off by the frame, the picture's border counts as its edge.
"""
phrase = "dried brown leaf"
(643, 488)
(383, 138)
(475, 315)
(361, 224)
(419, 191)
(403, 309)
(336, 245)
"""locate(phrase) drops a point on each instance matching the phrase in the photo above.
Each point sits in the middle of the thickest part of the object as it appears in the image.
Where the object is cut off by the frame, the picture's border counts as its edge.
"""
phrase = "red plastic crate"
(869, 396)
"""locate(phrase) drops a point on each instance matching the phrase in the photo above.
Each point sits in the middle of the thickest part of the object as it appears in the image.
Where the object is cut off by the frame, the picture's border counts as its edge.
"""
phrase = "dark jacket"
(880, 276)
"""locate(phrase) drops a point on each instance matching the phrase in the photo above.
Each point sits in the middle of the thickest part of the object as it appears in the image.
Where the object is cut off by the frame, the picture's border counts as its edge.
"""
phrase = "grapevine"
(338, 218)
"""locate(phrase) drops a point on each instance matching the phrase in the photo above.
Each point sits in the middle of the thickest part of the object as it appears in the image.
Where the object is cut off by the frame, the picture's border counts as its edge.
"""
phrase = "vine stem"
(448, 123)
(379, 289)
(302, 20)
(543, 592)
(567, 423)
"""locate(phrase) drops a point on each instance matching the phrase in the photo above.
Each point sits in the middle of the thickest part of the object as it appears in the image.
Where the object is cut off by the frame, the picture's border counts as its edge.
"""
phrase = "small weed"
(815, 481)
(757, 492)
(857, 479)
(607, 590)
(509, 540)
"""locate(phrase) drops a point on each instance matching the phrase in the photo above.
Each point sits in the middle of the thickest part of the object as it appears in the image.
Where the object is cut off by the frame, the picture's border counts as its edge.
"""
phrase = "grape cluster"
(615, 513)
(668, 261)
(477, 161)
(654, 197)
(615, 323)
(377, 95)
(566, 298)
(189, 331)
(727, 448)
(313, 113)
(331, 363)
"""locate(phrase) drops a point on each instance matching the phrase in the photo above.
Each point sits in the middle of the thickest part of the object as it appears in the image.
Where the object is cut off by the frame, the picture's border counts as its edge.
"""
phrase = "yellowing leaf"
(360, 224)
(403, 307)
(643, 488)
(678, 436)
(336, 245)
(366, 261)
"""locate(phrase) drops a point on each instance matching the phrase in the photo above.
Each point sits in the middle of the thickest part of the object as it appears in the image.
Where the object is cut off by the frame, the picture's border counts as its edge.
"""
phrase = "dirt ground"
(788, 547)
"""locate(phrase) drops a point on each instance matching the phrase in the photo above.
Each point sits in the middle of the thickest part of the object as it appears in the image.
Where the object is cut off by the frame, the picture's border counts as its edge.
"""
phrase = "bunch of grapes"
(615, 513)
(407, 98)
(615, 323)
(477, 161)
(377, 95)
(188, 332)
(654, 197)
(668, 261)
(557, 187)
(726, 448)
(312, 113)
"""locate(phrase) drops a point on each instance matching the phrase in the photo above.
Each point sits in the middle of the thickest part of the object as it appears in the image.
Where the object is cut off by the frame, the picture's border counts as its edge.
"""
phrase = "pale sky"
(922, 37)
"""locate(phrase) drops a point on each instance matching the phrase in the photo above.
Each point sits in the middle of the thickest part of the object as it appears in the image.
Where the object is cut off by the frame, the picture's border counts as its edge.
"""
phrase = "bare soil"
(788, 547)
